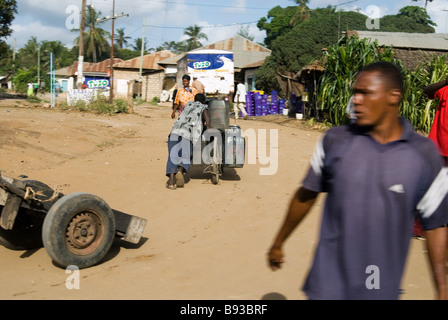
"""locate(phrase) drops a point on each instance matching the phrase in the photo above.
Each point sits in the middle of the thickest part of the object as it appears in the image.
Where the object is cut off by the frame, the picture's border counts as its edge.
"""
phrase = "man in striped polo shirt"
(377, 173)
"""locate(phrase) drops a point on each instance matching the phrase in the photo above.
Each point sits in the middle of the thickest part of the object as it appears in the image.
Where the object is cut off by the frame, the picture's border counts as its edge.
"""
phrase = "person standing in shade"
(367, 220)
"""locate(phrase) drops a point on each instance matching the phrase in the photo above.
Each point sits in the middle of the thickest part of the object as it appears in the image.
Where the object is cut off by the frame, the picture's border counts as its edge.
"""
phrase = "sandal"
(171, 187)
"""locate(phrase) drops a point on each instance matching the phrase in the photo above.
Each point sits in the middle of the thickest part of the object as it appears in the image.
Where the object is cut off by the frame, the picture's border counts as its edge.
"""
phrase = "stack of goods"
(258, 104)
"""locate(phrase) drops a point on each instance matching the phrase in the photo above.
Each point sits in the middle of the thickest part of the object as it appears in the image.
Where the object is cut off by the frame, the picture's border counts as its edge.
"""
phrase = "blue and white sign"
(97, 83)
(204, 61)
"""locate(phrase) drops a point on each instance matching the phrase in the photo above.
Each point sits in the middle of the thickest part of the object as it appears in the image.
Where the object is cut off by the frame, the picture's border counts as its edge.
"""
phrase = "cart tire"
(78, 230)
(27, 230)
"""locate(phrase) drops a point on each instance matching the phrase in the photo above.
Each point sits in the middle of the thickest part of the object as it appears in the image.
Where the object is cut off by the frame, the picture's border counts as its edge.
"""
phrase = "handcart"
(228, 149)
(76, 229)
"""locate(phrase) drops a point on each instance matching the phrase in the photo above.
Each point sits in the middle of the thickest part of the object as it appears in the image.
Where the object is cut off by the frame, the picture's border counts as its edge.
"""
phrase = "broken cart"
(75, 229)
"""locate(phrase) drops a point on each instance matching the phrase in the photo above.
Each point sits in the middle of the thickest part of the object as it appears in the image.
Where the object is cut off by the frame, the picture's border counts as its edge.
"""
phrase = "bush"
(100, 105)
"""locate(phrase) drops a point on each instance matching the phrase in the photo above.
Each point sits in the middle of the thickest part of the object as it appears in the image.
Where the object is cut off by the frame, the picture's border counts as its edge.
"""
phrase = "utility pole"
(141, 59)
(114, 16)
(80, 77)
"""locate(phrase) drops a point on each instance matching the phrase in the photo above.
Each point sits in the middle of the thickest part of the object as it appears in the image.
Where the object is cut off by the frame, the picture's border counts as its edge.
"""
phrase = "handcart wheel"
(78, 230)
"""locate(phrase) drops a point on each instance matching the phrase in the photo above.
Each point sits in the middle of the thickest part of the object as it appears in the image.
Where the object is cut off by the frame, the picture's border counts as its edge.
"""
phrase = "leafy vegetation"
(7, 10)
(343, 62)
(296, 45)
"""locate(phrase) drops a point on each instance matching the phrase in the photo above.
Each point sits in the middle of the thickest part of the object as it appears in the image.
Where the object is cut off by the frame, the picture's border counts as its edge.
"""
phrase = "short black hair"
(389, 71)
(186, 76)
(200, 97)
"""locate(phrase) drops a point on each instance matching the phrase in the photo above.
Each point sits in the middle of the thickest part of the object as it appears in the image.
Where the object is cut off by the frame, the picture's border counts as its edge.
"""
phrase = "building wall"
(152, 83)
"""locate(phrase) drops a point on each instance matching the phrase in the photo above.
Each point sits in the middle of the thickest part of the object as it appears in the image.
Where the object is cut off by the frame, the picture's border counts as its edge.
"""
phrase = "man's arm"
(436, 241)
(300, 205)
(431, 90)
(173, 114)
(206, 114)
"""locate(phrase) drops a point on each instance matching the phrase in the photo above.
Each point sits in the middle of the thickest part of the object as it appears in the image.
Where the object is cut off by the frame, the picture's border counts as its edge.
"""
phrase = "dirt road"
(203, 241)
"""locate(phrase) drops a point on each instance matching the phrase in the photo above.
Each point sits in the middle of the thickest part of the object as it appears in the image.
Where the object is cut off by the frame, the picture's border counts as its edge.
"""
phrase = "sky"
(166, 20)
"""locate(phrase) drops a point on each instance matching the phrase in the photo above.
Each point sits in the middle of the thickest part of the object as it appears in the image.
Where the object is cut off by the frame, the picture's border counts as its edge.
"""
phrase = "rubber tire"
(27, 230)
(58, 219)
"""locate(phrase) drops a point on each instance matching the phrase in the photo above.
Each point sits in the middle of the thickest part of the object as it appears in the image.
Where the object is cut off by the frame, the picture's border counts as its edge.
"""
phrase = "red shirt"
(439, 129)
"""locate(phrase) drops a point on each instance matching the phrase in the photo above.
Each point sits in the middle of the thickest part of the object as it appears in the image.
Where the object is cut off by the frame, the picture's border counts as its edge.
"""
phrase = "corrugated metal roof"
(430, 41)
(100, 67)
(254, 65)
(150, 61)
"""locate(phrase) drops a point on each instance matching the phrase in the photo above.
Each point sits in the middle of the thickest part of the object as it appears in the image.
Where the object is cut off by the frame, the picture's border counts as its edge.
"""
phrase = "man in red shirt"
(439, 129)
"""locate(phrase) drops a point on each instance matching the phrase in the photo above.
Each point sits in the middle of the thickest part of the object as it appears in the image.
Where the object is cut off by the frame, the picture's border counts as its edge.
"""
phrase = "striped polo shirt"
(373, 193)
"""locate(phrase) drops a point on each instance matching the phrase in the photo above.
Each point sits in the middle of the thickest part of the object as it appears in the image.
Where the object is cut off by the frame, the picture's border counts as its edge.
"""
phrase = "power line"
(210, 5)
(204, 27)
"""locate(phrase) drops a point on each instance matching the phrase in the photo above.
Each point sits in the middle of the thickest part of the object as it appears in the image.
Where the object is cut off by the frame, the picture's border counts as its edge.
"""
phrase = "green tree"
(277, 23)
(409, 19)
(303, 44)
(28, 54)
(7, 65)
(120, 39)
(426, 3)
(138, 46)
(301, 14)
(95, 39)
(195, 35)
(126, 54)
(173, 46)
(245, 33)
(7, 10)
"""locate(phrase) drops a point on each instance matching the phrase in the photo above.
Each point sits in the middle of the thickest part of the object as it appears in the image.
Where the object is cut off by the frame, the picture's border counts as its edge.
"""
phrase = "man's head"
(200, 97)
(377, 93)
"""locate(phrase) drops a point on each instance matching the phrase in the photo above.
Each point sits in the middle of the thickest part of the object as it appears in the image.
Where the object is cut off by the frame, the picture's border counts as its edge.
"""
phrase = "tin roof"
(428, 41)
(89, 67)
(150, 61)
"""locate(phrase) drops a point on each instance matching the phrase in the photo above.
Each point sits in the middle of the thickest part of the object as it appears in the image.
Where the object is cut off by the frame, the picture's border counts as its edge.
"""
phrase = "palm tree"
(426, 3)
(95, 39)
(302, 13)
(138, 46)
(195, 34)
(121, 39)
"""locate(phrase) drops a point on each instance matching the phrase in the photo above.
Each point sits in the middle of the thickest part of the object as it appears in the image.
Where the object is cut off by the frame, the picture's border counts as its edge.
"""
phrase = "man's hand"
(275, 258)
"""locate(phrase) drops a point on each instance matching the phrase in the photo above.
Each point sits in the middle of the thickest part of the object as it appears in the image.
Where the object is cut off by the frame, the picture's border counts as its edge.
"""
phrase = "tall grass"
(343, 63)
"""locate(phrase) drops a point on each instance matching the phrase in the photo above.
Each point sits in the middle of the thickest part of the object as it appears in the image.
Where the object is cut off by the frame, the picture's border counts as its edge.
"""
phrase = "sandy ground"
(201, 242)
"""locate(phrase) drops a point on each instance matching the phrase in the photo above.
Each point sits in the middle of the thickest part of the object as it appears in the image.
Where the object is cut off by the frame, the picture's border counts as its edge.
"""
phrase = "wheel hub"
(84, 233)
